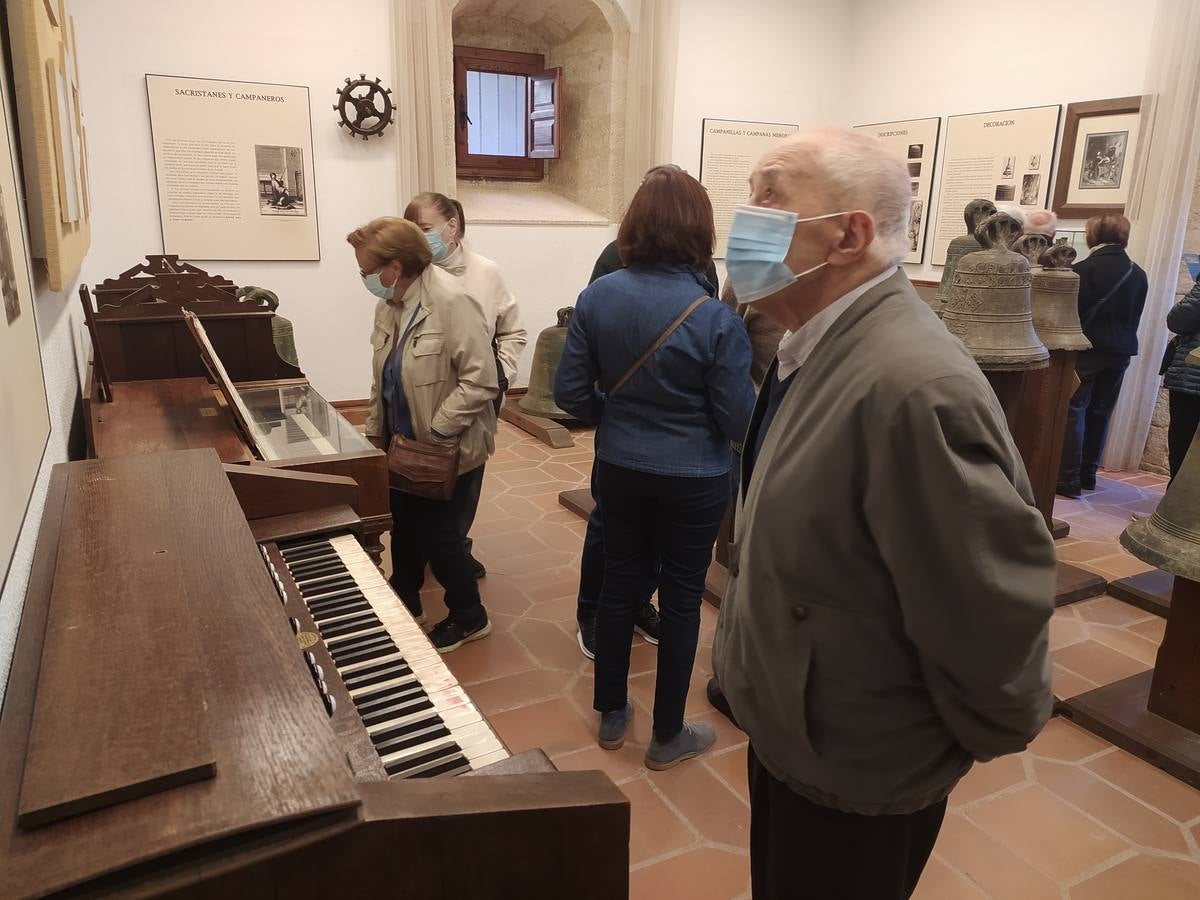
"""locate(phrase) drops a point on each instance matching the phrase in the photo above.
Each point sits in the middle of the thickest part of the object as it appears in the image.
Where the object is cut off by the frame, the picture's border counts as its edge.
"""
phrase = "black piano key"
(329, 567)
(364, 655)
(323, 603)
(300, 565)
(450, 767)
(398, 710)
(310, 585)
(370, 675)
(335, 626)
(429, 732)
(448, 751)
(328, 553)
(389, 734)
(374, 696)
(426, 724)
(396, 695)
(296, 554)
(368, 637)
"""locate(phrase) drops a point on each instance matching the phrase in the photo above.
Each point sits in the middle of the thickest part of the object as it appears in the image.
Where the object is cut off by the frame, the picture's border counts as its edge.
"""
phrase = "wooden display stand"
(1035, 404)
(549, 432)
(1150, 591)
(1155, 715)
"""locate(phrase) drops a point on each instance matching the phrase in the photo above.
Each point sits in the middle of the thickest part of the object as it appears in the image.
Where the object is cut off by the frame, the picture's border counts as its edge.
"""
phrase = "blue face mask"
(436, 244)
(375, 286)
(759, 240)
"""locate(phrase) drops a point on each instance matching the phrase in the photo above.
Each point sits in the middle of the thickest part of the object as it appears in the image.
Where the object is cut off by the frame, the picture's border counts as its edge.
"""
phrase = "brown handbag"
(421, 469)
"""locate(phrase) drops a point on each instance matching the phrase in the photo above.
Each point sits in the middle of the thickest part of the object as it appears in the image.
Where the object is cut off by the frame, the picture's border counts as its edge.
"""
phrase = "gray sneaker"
(694, 739)
(613, 725)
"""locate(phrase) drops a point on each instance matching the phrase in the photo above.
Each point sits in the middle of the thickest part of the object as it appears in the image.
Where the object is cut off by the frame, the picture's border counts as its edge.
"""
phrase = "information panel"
(915, 142)
(728, 152)
(235, 169)
(1001, 156)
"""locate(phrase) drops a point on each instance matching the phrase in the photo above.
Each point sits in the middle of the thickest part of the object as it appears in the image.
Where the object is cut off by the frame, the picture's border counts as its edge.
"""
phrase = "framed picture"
(1100, 145)
(916, 142)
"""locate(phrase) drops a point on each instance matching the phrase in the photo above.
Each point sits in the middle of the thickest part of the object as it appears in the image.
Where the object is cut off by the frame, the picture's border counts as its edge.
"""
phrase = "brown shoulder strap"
(662, 339)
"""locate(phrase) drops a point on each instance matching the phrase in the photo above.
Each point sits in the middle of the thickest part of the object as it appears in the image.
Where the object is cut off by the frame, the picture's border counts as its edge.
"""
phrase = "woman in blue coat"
(664, 369)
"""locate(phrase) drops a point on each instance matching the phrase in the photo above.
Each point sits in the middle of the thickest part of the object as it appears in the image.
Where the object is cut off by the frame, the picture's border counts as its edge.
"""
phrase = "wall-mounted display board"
(728, 151)
(1100, 144)
(915, 142)
(54, 153)
(24, 417)
(1001, 156)
(234, 164)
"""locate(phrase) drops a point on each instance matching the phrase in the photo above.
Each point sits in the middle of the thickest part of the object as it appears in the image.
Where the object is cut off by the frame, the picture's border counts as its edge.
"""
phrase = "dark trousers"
(591, 563)
(800, 850)
(1100, 376)
(1185, 416)
(470, 508)
(432, 530)
(677, 518)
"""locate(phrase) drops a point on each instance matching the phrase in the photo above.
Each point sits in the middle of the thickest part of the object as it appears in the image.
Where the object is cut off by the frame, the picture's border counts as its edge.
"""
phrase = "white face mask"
(759, 241)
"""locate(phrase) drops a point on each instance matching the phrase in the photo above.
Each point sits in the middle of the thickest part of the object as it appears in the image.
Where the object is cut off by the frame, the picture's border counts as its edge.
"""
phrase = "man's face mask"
(759, 241)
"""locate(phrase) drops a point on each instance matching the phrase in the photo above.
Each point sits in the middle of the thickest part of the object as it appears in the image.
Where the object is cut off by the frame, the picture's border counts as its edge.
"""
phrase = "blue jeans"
(1091, 406)
(670, 520)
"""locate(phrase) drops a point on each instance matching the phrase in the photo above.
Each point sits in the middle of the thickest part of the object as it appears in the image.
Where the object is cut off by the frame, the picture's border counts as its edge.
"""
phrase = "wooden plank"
(1150, 591)
(109, 724)
(545, 430)
(263, 492)
(578, 501)
(306, 523)
(1175, 688)
(1060, 529)
(1075, 584)
(164, 414)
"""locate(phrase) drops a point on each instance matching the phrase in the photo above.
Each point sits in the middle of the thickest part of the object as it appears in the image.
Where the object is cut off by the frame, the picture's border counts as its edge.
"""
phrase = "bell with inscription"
(989, 308)
(1169, 538)
(975, 212)
(1031, 246)
(1056, 301)
(539, 399)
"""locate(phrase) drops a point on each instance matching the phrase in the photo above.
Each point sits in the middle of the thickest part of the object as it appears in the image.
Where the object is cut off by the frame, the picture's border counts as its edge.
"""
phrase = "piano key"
(493, 757)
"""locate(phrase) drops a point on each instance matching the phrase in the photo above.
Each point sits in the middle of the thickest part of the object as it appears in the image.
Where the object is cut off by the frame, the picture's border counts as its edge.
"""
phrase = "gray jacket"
(891, 582)
(1184, 320)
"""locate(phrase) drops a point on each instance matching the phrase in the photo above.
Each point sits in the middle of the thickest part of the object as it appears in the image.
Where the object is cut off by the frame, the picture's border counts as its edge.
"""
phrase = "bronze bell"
(974, 213)
(285, 340)
(989, 308)
(1056, 301)
(539, 399)
(1170, 537)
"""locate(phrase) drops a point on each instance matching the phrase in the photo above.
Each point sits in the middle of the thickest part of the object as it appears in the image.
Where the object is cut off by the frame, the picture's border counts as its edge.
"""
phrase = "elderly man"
(891, 582)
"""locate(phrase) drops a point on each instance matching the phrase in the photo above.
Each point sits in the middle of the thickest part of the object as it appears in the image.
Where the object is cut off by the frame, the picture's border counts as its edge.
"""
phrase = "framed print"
(915, 141)
(1100, 145)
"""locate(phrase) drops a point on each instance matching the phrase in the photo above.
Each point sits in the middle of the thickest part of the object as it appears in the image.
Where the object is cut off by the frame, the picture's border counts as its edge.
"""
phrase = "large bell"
(989, 308)
(974, 213)
(539, 399)
(1056, 301)
(1170, 537)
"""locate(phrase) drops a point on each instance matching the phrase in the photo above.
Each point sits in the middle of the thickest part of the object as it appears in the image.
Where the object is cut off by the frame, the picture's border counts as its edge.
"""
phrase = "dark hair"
(670, 220)
(1107, 228)
(447, 206)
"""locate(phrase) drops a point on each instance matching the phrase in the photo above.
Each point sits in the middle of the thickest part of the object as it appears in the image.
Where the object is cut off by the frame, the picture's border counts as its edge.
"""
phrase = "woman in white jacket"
(442, 220)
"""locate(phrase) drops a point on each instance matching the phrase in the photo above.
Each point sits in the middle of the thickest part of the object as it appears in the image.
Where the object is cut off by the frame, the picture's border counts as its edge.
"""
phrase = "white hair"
(862, 172)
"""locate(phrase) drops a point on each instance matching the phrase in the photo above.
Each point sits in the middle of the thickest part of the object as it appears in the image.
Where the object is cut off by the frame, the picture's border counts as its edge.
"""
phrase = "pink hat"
(1041, 221)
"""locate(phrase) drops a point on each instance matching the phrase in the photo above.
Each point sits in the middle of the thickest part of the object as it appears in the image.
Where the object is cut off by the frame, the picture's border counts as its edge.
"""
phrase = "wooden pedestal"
(547, 431)
(1075, 584)
(1156, 716)
(1035, 404)
(1150, 591)
(1060, 529)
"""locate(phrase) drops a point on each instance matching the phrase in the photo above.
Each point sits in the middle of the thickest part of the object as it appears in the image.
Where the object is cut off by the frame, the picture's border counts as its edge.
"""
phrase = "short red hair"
(1107, 228)
(669, 221)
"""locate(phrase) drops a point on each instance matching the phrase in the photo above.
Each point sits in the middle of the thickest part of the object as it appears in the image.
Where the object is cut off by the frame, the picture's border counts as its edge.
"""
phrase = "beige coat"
(482, 280)
(447, 368)
(891, 582)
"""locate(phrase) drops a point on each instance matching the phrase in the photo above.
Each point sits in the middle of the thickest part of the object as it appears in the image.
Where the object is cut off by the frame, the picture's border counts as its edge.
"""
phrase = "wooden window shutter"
(544, 97)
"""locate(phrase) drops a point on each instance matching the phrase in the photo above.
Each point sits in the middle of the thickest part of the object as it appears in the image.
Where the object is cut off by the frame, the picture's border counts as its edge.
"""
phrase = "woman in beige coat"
(434, 380)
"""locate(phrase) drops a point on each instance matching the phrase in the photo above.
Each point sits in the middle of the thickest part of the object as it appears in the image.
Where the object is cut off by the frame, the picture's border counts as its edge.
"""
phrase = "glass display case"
(294, 421)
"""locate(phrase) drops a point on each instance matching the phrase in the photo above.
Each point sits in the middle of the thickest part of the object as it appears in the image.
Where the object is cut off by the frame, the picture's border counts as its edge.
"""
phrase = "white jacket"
(482, 281)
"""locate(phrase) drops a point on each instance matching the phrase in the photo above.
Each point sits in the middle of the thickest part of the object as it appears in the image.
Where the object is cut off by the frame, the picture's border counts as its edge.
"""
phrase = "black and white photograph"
(1031, 186)
(280, 180)
(914, 170)
(1006, 193)
(8, 272)
(916, 151)
(916, 187)
(1010, 166)
(1103, 160)
(915, 218)
(1035, 162)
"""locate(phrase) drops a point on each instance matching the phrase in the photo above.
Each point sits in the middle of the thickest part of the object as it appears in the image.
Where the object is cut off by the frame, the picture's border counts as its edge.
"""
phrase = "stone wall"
(1155, 457)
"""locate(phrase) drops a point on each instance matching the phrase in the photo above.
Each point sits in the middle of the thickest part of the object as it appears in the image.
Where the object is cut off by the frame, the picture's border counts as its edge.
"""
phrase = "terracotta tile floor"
(1073, 817)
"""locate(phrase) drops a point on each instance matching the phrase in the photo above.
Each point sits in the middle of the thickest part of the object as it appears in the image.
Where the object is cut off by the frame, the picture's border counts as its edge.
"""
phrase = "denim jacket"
(681, 410)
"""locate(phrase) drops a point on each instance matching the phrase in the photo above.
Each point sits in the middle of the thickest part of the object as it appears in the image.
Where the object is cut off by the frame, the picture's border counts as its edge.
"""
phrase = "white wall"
(912, 59)
(304, 42)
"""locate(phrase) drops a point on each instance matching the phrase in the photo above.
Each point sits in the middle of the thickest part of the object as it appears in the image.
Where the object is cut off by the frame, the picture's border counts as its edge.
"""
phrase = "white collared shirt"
(795, 347)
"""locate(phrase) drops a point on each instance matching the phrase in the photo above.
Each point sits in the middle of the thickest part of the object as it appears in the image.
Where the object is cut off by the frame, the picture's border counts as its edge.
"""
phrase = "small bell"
(1056, 301)
(539, 399)
(976, 211)
(989, 308)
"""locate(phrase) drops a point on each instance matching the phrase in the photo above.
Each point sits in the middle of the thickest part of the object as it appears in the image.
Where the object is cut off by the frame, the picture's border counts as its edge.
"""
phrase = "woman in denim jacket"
(663, 442)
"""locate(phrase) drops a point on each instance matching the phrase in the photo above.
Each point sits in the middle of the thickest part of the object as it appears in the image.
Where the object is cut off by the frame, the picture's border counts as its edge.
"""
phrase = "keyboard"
(420, 721)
